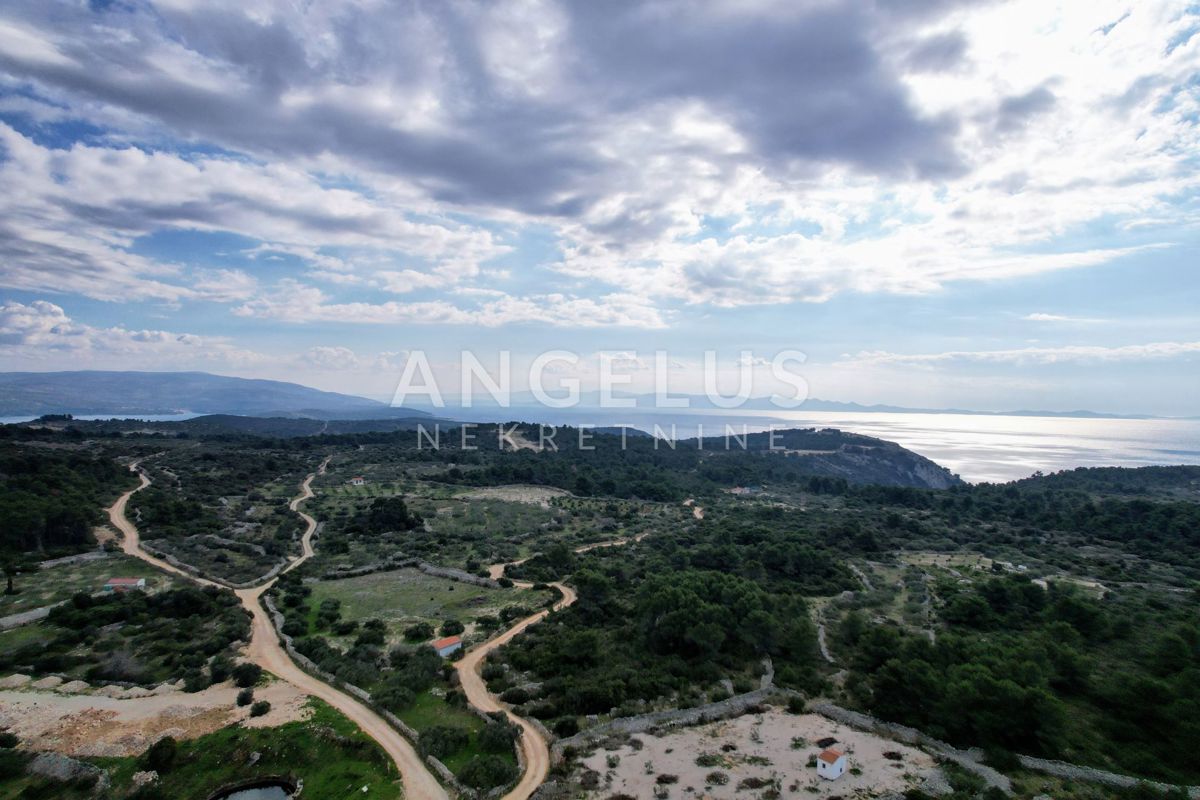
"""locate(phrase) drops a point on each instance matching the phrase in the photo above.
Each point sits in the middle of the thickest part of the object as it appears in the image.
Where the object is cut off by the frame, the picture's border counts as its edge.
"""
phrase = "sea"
(978, 448)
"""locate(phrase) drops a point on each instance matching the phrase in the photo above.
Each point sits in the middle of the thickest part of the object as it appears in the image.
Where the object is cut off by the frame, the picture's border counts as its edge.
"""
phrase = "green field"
(48, 586)
(405, 596)
(429, 710)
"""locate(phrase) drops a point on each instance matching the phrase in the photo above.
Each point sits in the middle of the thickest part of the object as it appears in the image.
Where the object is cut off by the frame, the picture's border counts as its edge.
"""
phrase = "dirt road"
(266, 651)
(533, 744)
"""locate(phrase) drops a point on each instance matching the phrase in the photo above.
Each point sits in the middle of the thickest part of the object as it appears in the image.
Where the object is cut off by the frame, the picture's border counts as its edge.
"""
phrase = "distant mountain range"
(125, 394)
(591, 399)
(132, 394)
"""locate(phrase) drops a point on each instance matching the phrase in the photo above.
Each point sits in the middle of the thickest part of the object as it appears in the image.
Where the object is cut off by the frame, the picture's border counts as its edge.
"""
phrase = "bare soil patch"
(730, 758)
(79, 724)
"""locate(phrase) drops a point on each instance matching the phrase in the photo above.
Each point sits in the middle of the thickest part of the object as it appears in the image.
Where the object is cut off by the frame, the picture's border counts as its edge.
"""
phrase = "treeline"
(1050, 672)
(661, 622)
(51, 498)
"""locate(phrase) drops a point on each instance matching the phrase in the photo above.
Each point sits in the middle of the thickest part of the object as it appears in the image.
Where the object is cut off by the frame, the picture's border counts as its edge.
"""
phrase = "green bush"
(246, 674)
(497, 737)
(259, 708)
(245, 697)
(419, 632)
(441, 741)
(487, 772)
(161, 755)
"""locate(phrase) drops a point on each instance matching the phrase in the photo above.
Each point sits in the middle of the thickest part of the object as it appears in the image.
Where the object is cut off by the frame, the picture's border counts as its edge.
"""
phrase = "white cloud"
(42, 330)
(297, 303)
(1035, 355)
(1039, 316)
(679, 154)
(70, 217)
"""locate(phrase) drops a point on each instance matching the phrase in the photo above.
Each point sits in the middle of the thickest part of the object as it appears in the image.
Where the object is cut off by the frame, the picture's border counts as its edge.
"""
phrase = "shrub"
(259, 708)
(419, 632)
(294, 627)
(452, 627)
(195, 681)
(219, 668)
(716, 778)
(440, 741)
(567, 726)
(516, 696)
(486, 772)
(161, 755)
(245, 697)
(393, 697)
(9, 739)
(246, 674)
(497, 737)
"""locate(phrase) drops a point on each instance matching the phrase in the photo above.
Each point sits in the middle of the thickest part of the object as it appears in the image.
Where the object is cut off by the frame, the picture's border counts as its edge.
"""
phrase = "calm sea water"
(978, 448)
(985, 448)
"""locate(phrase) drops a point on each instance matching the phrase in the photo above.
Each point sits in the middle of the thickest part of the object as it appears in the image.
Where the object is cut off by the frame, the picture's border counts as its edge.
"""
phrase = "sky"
(988, 205)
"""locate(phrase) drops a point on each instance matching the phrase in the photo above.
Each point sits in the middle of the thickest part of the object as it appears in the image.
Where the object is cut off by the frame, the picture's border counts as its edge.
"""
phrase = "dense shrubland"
(133, 637)
(51, 498)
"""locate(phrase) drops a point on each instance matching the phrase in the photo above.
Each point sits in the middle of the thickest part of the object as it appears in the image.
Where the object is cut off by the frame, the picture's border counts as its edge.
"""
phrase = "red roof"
(449, 640)
(830, 756)
(124, 581)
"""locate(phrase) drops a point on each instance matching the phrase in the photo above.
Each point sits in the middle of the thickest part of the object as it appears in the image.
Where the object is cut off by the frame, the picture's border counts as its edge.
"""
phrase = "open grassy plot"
(55, 584)
(406, 596)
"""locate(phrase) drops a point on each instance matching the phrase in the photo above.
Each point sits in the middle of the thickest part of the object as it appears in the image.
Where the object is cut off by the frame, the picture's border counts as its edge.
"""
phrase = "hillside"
(143, 393)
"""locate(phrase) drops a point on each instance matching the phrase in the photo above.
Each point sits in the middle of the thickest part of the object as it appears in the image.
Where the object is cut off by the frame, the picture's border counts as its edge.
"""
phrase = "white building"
(357, 481)
(125, 584)
(831, 764)
(447, 645)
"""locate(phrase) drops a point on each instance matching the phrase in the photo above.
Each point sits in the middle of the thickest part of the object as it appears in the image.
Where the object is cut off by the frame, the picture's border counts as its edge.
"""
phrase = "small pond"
(273, 792)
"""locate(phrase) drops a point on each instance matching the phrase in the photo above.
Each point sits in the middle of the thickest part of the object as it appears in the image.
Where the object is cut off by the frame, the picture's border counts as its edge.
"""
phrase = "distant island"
(132, 394)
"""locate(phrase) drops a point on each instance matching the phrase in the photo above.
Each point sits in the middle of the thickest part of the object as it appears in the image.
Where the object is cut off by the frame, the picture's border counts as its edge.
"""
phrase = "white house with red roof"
(125, 584)
(447, 645)
(831, 764)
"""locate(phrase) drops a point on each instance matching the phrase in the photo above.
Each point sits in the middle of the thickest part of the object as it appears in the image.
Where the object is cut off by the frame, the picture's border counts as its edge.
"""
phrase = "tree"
(452, 627)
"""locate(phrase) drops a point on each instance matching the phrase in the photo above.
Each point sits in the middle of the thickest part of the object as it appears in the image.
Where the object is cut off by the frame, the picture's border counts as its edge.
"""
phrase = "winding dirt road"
(266, 650)
(534, 746)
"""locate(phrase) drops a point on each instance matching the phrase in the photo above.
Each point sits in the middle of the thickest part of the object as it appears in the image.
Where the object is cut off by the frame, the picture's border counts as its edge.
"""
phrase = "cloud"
(1036, 355)
(1038, 316)
(42, 330)
(71, 216)
(298, 303)
(709, 153)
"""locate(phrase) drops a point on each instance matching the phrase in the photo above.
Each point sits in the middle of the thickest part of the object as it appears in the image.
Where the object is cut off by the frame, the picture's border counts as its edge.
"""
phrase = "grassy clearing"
(48, 586)
(429, 710)
(403, 597)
